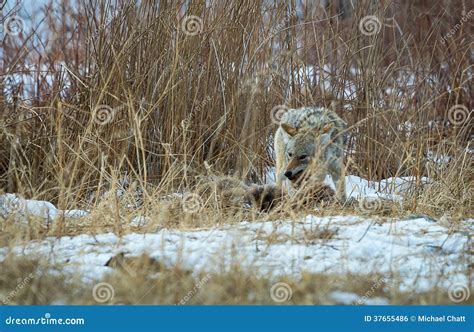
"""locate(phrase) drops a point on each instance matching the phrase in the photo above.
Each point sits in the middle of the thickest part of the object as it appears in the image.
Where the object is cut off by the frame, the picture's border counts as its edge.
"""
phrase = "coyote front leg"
(339, 182)
(279, 147)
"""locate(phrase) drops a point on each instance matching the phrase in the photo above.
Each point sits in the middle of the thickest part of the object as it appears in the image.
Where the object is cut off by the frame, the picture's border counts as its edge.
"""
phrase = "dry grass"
(144, 281)
(181, 106)
(181, 100)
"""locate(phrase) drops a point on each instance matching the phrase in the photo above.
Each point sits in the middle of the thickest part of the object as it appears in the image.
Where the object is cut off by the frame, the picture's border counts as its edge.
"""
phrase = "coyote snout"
(296, 166)
(295, 173)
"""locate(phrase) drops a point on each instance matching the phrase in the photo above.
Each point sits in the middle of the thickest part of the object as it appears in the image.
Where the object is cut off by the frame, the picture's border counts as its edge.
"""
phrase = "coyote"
(310, 139)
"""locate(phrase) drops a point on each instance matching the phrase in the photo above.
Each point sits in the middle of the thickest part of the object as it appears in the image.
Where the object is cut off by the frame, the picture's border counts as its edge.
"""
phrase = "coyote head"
(304, 150)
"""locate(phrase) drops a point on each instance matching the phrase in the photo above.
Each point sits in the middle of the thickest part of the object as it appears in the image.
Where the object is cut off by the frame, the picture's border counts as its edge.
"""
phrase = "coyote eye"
(290, 154)
(302, 157)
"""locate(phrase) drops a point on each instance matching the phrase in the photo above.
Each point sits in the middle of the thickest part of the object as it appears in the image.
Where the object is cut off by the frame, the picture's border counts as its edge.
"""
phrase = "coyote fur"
(309, 145)
(229, 192)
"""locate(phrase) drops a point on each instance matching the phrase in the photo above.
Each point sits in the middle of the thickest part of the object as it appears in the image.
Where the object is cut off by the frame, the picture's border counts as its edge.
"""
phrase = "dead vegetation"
(126, 97)
(25, 282)
(128, 88)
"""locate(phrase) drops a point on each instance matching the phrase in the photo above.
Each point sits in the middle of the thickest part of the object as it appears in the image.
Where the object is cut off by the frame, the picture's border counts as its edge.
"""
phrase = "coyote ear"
(289, 130)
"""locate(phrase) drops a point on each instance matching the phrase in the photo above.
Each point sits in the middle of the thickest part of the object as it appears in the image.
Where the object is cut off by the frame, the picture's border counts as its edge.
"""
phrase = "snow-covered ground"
(413, 254)
(418, 253)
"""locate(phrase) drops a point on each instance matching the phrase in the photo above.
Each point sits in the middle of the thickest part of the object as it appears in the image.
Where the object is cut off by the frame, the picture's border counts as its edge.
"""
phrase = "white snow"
(359, 188)
(348, 298)
(13, 204)
(414, 254)
(327, 79)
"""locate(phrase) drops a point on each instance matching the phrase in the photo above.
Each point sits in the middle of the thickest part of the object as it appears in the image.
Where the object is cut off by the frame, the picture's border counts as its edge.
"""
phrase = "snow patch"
(415, 254)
